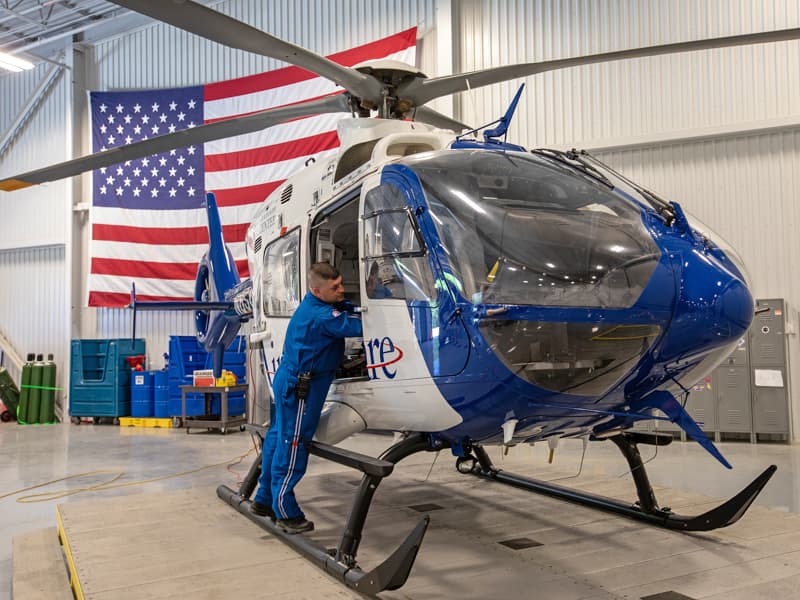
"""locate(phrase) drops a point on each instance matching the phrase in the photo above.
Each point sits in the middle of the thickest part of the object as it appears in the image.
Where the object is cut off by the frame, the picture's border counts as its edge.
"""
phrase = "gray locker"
(732, 385)
(702, 404)
(768, 368)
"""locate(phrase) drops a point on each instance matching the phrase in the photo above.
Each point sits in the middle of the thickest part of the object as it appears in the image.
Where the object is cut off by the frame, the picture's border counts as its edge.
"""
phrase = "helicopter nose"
(734, 307)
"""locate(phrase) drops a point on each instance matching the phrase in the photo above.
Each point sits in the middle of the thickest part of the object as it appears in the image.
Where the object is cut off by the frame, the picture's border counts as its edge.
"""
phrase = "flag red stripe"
(250, 194)
(271, 154)
(152, 270)
(289, 75)
(148, 270)
(164, 235)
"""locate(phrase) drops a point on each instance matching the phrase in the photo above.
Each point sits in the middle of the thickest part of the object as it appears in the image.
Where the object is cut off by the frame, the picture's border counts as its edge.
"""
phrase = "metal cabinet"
(768, 368)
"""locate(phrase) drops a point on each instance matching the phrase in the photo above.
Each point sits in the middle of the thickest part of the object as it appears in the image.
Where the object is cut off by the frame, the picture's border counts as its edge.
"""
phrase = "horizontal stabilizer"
(666, 403)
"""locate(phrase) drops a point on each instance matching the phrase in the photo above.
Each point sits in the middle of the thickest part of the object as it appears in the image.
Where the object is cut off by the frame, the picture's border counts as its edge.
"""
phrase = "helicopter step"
(341, 562)
(477, 462)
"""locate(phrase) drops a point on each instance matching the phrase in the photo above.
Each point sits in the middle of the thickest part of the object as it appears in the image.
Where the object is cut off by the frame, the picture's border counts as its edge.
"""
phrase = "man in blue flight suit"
(312, 351)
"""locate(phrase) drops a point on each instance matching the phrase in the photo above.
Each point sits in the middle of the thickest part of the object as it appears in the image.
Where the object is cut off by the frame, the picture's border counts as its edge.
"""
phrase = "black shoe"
(296, 525)
(262, 510)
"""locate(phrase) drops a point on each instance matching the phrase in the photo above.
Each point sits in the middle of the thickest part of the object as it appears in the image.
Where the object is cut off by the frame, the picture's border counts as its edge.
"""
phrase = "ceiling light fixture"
(13, 63)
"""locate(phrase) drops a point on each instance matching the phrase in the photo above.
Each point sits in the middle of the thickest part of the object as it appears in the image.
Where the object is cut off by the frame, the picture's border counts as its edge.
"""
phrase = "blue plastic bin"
(142, 399)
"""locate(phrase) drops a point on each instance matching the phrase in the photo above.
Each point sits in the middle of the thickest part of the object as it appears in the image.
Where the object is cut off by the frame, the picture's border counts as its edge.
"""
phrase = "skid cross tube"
(393, 572)
(646, 509)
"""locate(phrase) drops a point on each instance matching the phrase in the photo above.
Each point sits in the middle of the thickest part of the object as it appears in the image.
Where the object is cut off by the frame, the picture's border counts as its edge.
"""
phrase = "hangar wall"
(34, 223)
(716, 130)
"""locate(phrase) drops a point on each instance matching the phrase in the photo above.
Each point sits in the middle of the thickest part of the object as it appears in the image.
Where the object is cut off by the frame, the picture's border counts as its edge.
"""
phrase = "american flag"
(148, 217)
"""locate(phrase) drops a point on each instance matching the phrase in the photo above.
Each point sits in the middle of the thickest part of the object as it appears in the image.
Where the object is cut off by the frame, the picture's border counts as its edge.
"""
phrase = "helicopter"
(507, 296)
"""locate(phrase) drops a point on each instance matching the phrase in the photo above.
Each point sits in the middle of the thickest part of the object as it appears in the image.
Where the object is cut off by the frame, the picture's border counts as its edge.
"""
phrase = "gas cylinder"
(25, 391)
(48, 399)
(35, 399)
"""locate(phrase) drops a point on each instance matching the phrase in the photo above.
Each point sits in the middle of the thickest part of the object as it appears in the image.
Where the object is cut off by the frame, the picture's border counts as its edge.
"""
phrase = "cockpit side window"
(281, 280)
(396, 261)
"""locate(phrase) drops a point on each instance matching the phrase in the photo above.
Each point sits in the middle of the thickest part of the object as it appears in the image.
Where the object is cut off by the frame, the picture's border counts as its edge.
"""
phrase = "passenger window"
(396, 262)
(281, 278)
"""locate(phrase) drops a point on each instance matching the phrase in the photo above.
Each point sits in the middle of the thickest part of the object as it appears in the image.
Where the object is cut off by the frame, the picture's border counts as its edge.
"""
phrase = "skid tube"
(341, 562)
(646, 508)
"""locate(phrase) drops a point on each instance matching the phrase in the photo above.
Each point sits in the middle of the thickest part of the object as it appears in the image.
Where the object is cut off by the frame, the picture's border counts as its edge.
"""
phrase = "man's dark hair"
(321, 271)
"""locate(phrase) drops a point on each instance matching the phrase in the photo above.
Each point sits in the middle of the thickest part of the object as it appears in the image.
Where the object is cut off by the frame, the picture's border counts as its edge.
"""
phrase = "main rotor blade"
(437, 119)
(420, 91)
(179, 139)
(210, 24)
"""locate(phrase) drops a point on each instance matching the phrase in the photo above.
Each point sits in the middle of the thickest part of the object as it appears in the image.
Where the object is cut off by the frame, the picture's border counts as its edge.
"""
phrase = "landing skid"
(341, 562)
(646, 509)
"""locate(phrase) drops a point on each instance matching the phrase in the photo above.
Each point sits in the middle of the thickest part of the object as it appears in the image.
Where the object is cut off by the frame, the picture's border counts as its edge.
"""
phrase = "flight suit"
(314, 343)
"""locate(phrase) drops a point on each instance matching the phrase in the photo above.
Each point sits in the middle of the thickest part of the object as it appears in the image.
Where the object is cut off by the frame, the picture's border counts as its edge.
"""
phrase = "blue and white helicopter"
(507, 295)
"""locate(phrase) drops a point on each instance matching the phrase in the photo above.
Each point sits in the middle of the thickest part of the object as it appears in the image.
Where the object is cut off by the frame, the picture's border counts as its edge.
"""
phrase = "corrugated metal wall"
(34, 223)
(608, 103)
(641, 112)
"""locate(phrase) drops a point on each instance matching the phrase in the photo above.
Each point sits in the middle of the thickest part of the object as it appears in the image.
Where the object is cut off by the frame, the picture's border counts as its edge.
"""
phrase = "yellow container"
(145, 422)
(227, 378)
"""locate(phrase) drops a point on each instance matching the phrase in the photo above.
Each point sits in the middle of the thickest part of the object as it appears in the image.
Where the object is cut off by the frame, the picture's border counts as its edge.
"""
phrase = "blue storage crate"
(187, 355)
(99, 379)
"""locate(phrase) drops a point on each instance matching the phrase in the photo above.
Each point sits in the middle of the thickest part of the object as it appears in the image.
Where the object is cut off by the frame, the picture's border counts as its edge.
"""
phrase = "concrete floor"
(35, 454)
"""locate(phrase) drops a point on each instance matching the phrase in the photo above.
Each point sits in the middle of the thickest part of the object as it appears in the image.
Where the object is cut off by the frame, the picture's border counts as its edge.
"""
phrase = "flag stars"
(128, 139)
(154, 192)
(103, 129)
(110, 180)
(103, 170)
(191, 125)
(154, 172)
(173, 105)
(190, 171)
(191, 103)
(103, 189)
(103, 108)
(120, 108)
(120, 129)
(162, 118)
(172, 172)
(154, 129)
(144, 182)
(181, 160)
(127, 119)
(181, 116)
(137, 130)
(111, 140)
(127, 182)
(155, 106)
(145, 162)
(191, 150)
(136, 171)
(120, 171)
(145, 119)
(110, 118)
(162, 161)
(172, 192)
(181, 181)
(136, 192)
(173, 152)
(162, 182)
(119, 191)
(190, 191)
(171, 128)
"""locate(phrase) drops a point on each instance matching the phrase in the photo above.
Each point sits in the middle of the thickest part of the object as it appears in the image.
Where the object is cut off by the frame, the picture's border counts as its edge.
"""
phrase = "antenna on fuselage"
(492, 136)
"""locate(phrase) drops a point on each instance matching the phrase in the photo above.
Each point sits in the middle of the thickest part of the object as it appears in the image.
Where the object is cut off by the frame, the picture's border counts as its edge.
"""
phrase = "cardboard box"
(203, 377)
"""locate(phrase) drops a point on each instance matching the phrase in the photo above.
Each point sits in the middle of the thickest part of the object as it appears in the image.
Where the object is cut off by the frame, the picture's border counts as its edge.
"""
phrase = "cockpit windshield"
(524, 229)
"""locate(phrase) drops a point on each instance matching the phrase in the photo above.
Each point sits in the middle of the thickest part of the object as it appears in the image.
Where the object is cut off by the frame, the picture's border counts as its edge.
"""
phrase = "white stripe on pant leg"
(292, 459)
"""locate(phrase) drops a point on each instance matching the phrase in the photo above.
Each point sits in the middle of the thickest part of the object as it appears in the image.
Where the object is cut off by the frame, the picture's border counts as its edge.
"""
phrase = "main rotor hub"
(391, 73)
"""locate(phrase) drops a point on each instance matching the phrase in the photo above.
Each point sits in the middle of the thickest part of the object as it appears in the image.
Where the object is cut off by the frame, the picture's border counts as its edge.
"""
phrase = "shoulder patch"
(335, 313)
